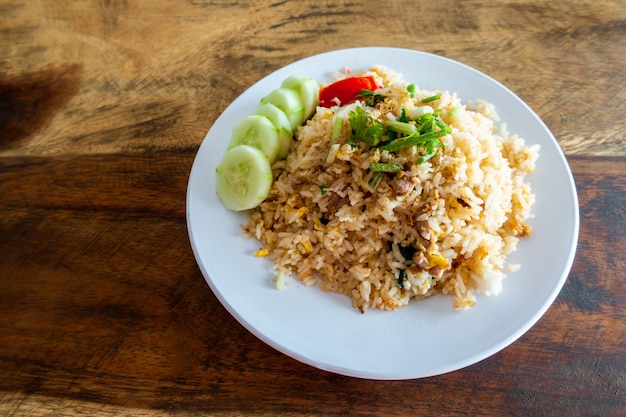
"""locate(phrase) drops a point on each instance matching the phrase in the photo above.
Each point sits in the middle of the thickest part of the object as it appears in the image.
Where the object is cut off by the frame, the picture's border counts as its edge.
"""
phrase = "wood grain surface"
(120, 76)
(103, 104)
(106, 309)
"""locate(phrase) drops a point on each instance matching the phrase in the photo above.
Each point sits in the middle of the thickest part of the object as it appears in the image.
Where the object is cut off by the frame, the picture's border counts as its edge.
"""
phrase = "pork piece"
(335, 202)
(422, 264)
(402, 185)
(420, 260)
(436, 272)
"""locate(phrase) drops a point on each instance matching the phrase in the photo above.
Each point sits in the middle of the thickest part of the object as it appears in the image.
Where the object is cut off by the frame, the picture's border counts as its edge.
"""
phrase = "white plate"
(426, 338)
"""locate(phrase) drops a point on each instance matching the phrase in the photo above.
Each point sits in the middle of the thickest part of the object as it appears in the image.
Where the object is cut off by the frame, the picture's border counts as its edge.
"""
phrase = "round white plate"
(428, 337)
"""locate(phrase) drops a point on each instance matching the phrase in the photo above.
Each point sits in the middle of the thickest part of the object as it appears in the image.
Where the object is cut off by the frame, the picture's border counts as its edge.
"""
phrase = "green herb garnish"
(423, 132)
(431, 150)
(365, 128)
(374, 182)
(371, 98)
(334, 134)
(423, 140)
(385, 167)
(407, 252)
(400, 127)
(400, 278)
(431, 98)
(411, 89)
(323, 189)
(404, 117)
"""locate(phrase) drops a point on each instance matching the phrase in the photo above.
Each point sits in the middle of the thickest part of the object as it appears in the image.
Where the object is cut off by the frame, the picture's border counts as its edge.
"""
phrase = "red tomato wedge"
(346, 90)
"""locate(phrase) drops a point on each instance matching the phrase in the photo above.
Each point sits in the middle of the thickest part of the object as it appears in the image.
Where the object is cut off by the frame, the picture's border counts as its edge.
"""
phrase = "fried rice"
(443, 226)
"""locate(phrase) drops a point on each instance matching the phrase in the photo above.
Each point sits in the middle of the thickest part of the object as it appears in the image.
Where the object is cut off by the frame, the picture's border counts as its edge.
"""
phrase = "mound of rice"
(443, 226)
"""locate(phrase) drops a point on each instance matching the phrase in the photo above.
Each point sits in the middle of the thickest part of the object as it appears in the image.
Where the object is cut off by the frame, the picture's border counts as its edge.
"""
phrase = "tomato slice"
(345, 91)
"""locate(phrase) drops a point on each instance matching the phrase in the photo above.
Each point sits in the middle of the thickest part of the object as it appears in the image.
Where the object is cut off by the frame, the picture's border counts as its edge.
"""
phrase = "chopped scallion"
(332, 153)
(334, 134)
(403, 116)
(411, 89)
(431, 98)
(413, 140)
(431, 150)
(442, 125)
(420, 111)
(385, 167)
(424, 118)
(426, 156)
(400, 127)
(454, 114)
(374, 182)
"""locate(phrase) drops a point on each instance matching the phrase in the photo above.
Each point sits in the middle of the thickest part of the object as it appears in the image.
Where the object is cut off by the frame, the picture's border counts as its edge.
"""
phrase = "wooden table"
(103, 104)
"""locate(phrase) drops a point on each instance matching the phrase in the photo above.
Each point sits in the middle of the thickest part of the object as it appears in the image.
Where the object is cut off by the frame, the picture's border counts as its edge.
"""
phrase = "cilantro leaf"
(365, 128)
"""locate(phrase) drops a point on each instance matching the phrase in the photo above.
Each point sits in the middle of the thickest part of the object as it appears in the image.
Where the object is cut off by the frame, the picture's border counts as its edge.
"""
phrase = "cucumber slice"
(289, 102)
(281, 122)
(257, 131)
(309, 91)
(243, 178)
